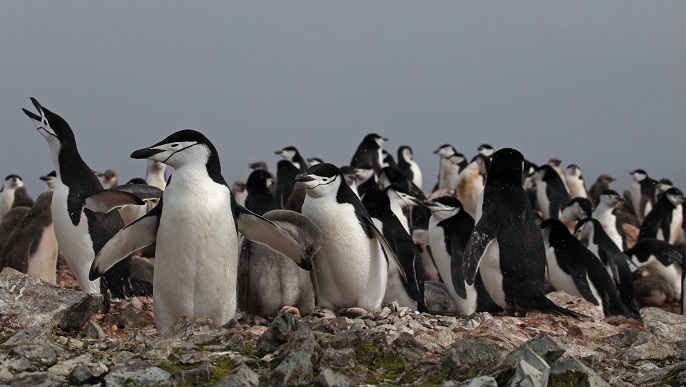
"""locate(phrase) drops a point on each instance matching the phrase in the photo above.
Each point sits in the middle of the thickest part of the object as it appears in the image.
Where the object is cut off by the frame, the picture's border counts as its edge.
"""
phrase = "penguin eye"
(325, 179)
(174, 145)
(45, 122)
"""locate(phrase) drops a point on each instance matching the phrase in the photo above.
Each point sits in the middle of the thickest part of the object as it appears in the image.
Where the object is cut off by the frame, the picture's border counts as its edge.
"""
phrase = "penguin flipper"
(243, 274)
(456, 262)
(580, 278)
(388, 250)
(484, 233)
(265, 232)
(613, 265)
(108, 200)
(144, 192)
(138, 234)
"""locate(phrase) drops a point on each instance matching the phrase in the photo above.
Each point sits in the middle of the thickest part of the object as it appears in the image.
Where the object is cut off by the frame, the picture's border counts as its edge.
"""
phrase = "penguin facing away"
(575, 270)
(268, 284)
(259, 198)
(446, 168)
(665, 220)
(80, 232)
(286, 171)
(196, 227)
(601, 184)
(506, 238)
(408, 167)
(450, 227)
(32, 246)
(659, 258)
(408, 293)
(351, 269)
(369, 152)
(551, 194)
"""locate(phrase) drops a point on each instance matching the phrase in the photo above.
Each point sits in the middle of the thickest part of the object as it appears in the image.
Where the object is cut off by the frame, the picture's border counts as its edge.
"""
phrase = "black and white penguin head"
(13, 182)
(611, 198)
(662, 186)
(445, 151)
(674, 196)
(321, 180)
(364, 173)
(50, 179)
(577, 208)
(314, 161)
(398, 194)
(457, 159)
(506, 167)
(405, 153)
(585, 230)
(638, 175)
(259, 179)
(51, 126)
(185, 147)
(485, 150)
(444, 207)
(373, 137)
(238, 185)
(573, 170)
(288, 153)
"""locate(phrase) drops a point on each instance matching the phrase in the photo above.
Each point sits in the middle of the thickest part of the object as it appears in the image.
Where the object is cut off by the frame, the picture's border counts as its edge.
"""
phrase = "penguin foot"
(259, 320)
(287, 309)
(353, 312)
(324, 313)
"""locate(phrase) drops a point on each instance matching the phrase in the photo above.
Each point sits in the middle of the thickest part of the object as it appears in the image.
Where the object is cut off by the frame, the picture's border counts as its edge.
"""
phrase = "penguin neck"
(71, 169)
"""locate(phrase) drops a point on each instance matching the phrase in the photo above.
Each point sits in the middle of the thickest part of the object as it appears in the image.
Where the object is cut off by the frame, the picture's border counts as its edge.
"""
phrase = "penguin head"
(457, 159)
(576, 209)
(611, 198)
(445, 150)
(444, 207)
(259, 179)
(638, 175)
(51, 126)
(50, 179)
(399, 194)
(288, 153)
(663, 185)
(13, 182)
(585, 229)
(321, 180)
(506, 167)
(573, 170)
(239, 185)
(405, 153)
(363, 173)
(258, 165)
(485, 150)
(314, 160)
(675, 196)
(185, 147)
(373, 137)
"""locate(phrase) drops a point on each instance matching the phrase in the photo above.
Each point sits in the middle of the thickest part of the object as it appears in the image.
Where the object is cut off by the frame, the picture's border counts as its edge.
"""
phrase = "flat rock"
(575, 372)
(137, 373)
(241, 376)
(330, 378)
(32, 302)
(668, 327)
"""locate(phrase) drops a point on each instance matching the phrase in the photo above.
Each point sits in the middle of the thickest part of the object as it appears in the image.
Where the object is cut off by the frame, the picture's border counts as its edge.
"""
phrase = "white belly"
(6, 200)
(74, 241)
(350, 269)
(196, 258)
(42, 263)
(491, 274)
(542, 199)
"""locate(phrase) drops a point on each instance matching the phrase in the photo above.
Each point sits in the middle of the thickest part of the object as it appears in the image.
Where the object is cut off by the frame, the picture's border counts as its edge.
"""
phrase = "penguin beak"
(303, 178)
(145, 153)
(32, 115)
(429, 204)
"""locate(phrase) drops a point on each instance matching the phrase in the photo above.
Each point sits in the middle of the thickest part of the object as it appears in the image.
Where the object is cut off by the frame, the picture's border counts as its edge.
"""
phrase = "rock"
(81, 375)
(574, 372)
(33, 302)
(277, 333)
(474, 353)
(39, 379)
(94, 331)
(330, 378)
(242, 376)
(32, 335)
(202, 374)
(668, 327)
(544, 346)
(296, 368)
(36, 353)
(406, 346)
(186, 329)
(452, 363)
(134, 314)
(137, 373)
(17, 364)
(674, 375)
(338, 359)
(651, 347)
(65, 367)
(531, 371)
(479, 381)
(349, 339)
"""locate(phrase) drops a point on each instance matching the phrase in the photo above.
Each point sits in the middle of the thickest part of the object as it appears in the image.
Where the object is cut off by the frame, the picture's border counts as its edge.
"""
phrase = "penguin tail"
(544, 304)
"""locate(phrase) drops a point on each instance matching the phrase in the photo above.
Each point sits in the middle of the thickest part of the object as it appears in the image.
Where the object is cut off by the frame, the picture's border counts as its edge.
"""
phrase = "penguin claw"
(259, 320)
(353, 312)
(324, 313)
(286, 309)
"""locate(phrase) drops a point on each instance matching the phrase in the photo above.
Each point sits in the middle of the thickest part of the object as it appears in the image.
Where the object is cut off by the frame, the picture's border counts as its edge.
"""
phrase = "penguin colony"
(317, 238)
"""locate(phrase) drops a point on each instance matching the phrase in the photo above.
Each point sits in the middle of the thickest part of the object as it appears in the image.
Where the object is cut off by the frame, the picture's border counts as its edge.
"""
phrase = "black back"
(660, 217)
(404, 165)
(664, 252)
(555, 190)
(367, 153)
(285, 180)
(259, 199)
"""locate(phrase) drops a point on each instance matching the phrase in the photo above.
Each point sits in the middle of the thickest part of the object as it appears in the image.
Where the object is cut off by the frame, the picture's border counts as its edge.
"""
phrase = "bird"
(408, 166)
(470, 183)
(259, 199)
(49, 180)
(575, 210)
(575, 182)
(551, 193)
(605, 214)
(601, 184)
(239, 192)
(665, 220)
(506, 238)
(80, 232)
(369, 152)
(7, 225)
(154, 174)
(291, 154)
(642, 193)
(13, 194)
(286, 171)
(365, 178)
(659, 258)
(447, 170)
(109, 178)
(195, 226)
(351, 269)
(486, 150)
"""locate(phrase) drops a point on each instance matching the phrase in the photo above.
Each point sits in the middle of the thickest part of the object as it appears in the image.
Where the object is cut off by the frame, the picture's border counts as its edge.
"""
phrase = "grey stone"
(651, 347)
(543, 345)
(531, 371)
(451, 361)
(479, 381)
(36, 353)
(349, 339)
(36, 379)
(295, 369)
(94, 331)
(194, 376)
(138, 373)
(569, 367)
(330, 378)
(65, 367)
(338, 358)
(674, 372)
(242, 376)
(668, 327)
(133, 313)
(475, 353)
(81, 375)
(17, 364)
(31, 335)
(34, 302)
(407, 347)
(186, 329)
(277, 333)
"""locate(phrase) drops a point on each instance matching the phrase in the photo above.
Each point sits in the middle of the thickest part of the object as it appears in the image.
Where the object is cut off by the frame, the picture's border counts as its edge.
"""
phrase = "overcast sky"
(598, 83)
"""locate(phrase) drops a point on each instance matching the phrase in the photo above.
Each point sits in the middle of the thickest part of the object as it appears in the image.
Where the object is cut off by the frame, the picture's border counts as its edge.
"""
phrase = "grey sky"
(599, 84)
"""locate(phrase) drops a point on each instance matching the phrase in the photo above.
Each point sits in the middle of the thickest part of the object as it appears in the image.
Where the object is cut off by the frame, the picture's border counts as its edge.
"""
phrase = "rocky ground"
(56, 336)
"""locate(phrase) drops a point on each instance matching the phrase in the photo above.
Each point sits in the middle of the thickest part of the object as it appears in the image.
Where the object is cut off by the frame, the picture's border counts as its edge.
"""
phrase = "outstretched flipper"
(107, 200)
(136, 235)
(485, 233)
(265, 232)
(144, 192)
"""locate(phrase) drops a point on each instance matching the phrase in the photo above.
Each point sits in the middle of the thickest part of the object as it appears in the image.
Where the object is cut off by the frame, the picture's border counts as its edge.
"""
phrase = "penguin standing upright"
(408, 167)
(470, 183)
(661, 259)
(80, 232)
(32, 246)
(351, 269)
(551, 193)
(286, 171)
(49, 180)
(575, 210)
(13, 194)
(369, 152)
(605, 213)
(196, 228)
(154, 174)
(592, 235)
(601, 184)
(269, 284)
(109, 178)
(506, 238)
(575, 270)
(575, 182)
(408, 293)
(259, 199)
(449, 229)
(446, 168)
(664, 221)
(642, 193)
(291, 154)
